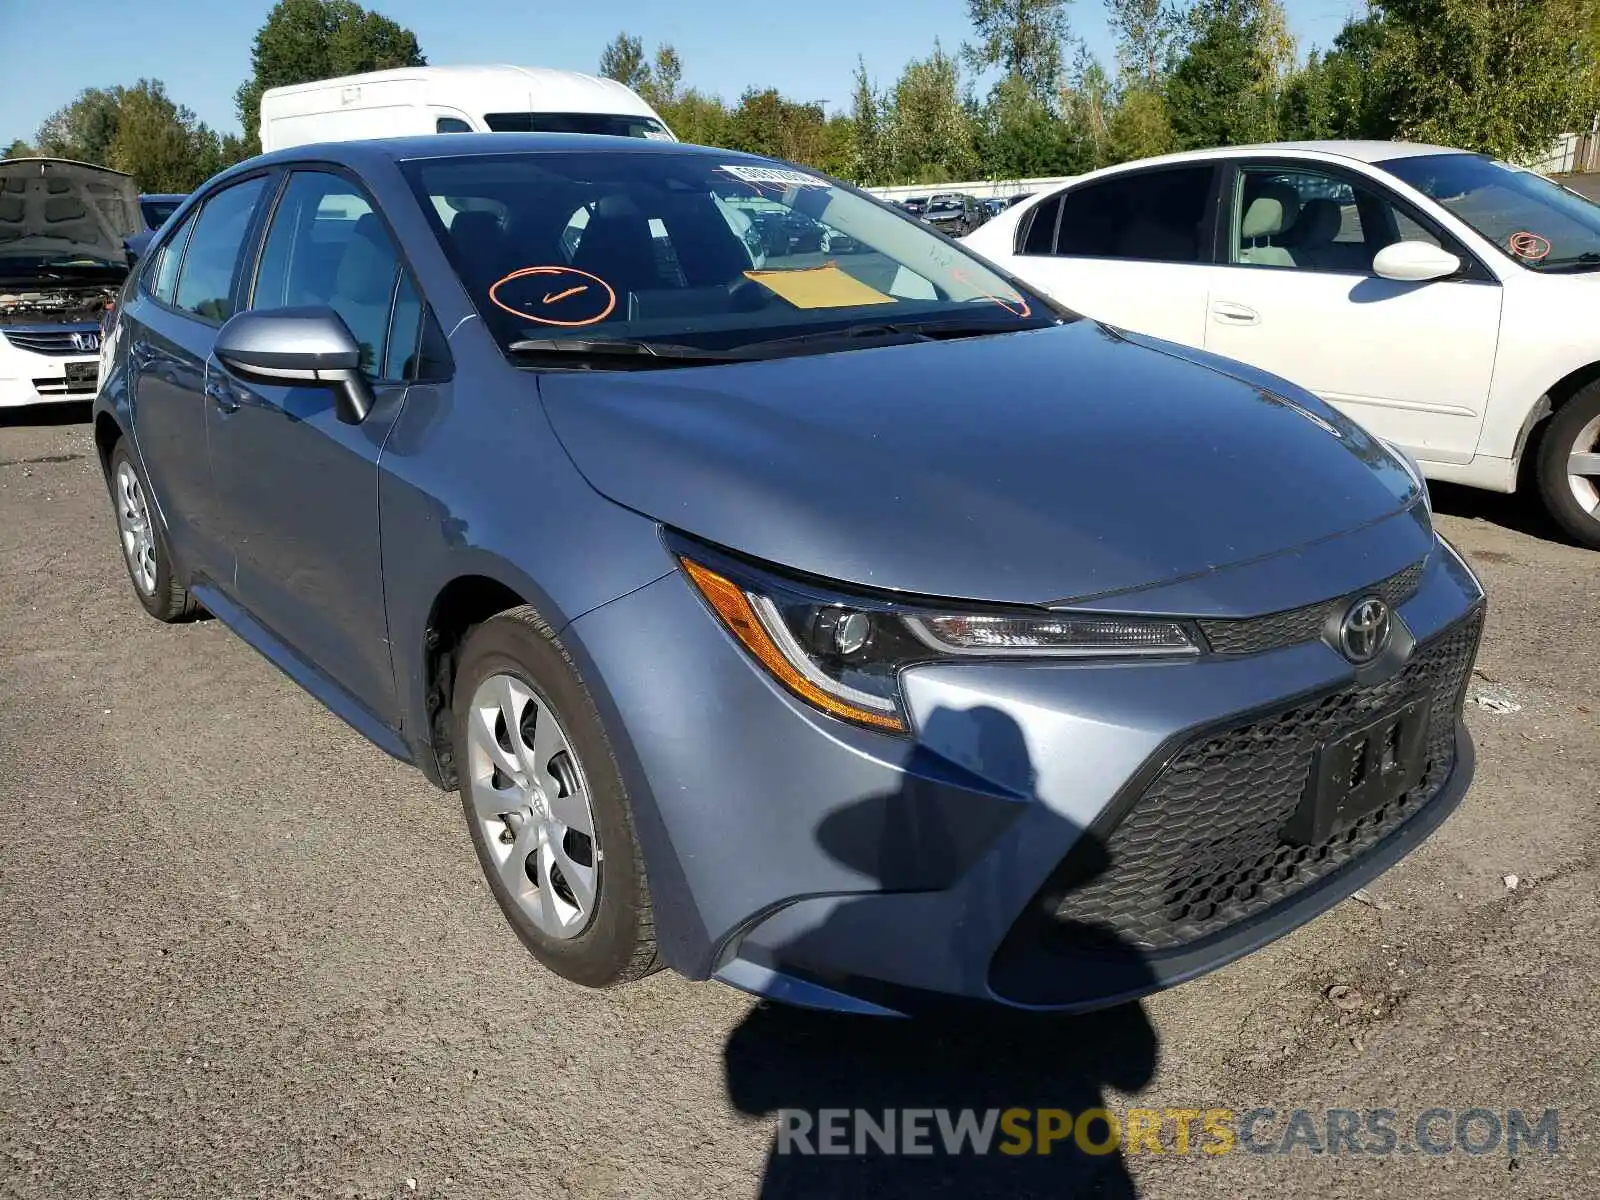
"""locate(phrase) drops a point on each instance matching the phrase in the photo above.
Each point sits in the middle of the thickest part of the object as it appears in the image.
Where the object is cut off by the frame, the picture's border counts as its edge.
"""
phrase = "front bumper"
(28, 378)
(1006, 854)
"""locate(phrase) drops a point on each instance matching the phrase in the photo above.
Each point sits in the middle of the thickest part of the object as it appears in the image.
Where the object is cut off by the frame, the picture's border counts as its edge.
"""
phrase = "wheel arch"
(1547, 405)
(107, 433)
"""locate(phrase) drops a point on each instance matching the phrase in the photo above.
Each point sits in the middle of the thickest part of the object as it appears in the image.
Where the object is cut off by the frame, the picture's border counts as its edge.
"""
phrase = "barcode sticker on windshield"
(776, 175)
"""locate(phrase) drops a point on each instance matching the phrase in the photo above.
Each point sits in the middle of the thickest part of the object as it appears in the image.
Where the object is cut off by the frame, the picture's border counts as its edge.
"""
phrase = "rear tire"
(144, 546)
(535, 767)
(1573, 499)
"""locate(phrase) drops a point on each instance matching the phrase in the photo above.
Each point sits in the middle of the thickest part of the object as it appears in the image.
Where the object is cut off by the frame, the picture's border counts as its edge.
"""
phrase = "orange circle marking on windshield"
(1022, 309)
(578, 282)
(1528, 245)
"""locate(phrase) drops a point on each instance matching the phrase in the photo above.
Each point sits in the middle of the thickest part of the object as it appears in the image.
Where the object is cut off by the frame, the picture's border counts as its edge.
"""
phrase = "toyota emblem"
(1365, 630)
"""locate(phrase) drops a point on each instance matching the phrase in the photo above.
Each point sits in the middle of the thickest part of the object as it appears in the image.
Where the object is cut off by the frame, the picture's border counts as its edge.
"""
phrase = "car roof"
(1360, 151)
(465, 145)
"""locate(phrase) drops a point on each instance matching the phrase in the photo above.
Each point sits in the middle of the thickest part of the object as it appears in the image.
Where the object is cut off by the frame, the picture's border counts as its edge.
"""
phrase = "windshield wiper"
(886, 332)
(642, 354)
(1589, 260)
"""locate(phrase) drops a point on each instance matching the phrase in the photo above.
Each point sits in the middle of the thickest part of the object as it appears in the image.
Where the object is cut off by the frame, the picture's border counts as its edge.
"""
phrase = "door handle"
(1226, 312)
(222, 395)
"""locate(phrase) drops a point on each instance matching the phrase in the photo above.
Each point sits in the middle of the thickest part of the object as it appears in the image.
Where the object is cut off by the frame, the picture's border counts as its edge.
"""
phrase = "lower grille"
(1202, 848)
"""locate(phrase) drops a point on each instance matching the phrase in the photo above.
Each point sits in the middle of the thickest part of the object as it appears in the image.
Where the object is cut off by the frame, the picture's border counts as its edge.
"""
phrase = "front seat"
(617, 247)
(1311, 239)
(1268, 217)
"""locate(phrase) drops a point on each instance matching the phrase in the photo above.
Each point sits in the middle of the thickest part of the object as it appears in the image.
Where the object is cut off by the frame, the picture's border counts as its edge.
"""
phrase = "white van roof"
(499, 88)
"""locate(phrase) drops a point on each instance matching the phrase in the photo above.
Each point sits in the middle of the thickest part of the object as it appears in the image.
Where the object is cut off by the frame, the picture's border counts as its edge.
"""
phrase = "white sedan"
(1447, 301)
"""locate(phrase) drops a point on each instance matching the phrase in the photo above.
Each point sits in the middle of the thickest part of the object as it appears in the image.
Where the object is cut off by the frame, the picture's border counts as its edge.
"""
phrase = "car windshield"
(714, 251)
(157, 211)
(606, 124)
(1531, 220)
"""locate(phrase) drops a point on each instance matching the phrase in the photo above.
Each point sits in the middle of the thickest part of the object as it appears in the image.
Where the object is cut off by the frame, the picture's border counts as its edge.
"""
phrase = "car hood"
(1034, 468)
(53, 208)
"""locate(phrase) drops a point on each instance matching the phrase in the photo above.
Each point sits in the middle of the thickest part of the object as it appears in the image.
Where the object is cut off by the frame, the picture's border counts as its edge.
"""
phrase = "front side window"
(1312, 220)
(608, 124)
(205, 280)
(714, 251)
(1531, 220)
(327, 248)
(1149, 216)
(451, 125)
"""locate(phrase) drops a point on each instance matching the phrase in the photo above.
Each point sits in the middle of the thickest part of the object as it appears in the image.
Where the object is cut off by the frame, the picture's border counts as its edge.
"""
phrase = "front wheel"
(1568, 467)
(546, 806)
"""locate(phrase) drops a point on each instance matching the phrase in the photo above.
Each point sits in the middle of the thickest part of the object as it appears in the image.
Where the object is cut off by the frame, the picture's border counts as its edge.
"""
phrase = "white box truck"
(487, 99)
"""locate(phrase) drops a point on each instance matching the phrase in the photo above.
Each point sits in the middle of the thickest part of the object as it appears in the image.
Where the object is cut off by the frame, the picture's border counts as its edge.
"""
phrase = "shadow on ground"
(789, 1065)
(43, 416)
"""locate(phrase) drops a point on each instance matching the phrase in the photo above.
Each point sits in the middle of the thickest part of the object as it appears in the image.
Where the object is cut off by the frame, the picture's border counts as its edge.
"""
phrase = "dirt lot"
(245, 954)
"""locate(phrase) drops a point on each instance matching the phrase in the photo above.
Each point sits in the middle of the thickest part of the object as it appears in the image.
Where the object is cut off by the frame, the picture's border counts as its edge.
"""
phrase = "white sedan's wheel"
(1568, 466)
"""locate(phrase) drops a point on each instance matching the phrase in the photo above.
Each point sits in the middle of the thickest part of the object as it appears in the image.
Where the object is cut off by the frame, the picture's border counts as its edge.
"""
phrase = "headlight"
(1413, 468)
(844, 654)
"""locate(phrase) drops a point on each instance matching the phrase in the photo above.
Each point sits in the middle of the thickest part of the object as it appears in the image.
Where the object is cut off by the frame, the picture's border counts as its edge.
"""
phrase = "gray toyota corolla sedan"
(858, 629)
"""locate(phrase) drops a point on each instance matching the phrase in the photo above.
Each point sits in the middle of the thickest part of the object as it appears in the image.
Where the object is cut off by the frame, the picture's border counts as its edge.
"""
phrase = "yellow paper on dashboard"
(819, 287)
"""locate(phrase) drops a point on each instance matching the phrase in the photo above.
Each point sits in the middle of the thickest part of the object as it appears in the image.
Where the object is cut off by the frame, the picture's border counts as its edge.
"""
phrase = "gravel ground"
(245, 954)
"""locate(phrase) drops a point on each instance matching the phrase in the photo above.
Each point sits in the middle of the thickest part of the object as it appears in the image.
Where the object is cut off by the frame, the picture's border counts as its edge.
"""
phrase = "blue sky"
(201, 48)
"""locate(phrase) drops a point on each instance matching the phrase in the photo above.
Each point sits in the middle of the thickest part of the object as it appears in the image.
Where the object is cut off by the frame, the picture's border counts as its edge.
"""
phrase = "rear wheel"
(1568, 467)
(144, 549)
(546, 806)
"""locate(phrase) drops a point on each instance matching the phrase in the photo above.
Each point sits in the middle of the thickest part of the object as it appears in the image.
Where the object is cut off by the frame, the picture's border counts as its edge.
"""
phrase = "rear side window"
(205, 281)
(1039, 233)
(609, 124)
(1151, 216)
(164, 276)
(326, 248)
(451, 125)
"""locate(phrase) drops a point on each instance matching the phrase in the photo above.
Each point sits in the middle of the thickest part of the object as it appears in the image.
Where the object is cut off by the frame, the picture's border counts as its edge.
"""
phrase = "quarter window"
(1149, 216)
(164, 275)
(205, 280)
(327, 248)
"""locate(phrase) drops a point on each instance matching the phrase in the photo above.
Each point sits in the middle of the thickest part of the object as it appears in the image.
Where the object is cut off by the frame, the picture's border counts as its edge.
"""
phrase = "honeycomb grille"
(1256, 635)
(1201, 848)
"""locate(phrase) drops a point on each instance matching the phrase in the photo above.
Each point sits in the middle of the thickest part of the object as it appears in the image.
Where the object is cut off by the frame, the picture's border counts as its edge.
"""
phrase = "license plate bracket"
(1360, 773)
(81, 374)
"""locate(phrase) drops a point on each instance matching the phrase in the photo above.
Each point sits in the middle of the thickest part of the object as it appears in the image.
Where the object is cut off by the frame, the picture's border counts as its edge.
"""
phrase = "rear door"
(189, 294)
(1298, 297)
(1132, 249)
(297, 488)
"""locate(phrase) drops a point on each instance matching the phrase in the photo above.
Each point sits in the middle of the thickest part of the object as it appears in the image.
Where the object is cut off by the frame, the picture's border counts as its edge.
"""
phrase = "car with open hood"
(63, 259)
(862, 631)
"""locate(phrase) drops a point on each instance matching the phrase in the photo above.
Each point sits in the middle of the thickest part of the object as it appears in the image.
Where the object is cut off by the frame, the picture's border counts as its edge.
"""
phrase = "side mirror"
(1414, 262)
(305, 347)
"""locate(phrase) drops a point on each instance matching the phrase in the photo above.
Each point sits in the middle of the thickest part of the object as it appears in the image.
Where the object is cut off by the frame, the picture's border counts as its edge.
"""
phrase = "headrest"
(1319, 223)
(1271, 212)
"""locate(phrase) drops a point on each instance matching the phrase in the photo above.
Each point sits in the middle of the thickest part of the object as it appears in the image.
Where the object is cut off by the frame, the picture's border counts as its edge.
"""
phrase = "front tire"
(546, 806)
(144, 547)
(1568, 467)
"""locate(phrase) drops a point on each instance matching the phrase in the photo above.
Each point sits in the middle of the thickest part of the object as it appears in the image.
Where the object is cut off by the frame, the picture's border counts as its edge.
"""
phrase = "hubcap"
(1583, 468)
(133, 520)
(531, 801)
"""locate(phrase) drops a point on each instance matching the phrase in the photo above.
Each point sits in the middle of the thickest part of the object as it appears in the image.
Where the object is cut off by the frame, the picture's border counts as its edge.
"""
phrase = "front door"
(296, 487)
(1410, 361)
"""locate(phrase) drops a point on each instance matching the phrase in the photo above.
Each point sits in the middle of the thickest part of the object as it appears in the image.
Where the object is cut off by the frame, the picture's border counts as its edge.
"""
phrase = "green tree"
(623, 60)
(838, 157)
(665, 78)
(764, 122)
(1220, 91)
(1022, 38)
(1147, 33)
(1018, 137)
(1086, 104)
(698, 118)
(163, 145)
(84, 129)
(866, 115)
(1139, 127)
(1305, 109)
(18, 149)
(1503, 77)
(928, 131)
(304, 40)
